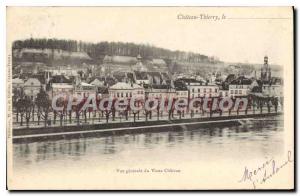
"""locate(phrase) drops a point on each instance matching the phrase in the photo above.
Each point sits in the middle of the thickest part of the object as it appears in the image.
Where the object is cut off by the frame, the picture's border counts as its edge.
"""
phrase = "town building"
(154, 78)
(126, 77)
(60, 84)
(125, 90)
(29, 68)
(67, 70)
(84, 89)
(223, 92)
(17, 83)
(160, 91)
(200, 88)
(181, 89)
(273, 88)
(141, 78)
(32, 87)
(241, 86)
(97, 82)
(204, 90)
(159, 64)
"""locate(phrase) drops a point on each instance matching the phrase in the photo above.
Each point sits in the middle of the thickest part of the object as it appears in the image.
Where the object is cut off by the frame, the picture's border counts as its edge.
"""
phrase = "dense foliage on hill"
(98, 50)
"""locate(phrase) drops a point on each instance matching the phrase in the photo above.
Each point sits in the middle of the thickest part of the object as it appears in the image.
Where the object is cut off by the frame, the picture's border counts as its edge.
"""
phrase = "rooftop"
(60, 79)
(241, 81)
(17, 81)
(121, 85)
(158, 61)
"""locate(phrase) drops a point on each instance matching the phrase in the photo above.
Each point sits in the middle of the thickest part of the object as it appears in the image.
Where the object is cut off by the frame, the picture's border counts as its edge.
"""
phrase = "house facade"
(241, 87)
(32, 87)
(125, 90)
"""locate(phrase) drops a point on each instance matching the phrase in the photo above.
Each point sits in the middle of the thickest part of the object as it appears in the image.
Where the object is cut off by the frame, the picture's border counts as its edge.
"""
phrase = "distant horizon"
(229, 40)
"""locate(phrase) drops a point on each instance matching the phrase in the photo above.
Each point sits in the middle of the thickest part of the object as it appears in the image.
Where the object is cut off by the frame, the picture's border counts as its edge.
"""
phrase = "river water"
(53, 163)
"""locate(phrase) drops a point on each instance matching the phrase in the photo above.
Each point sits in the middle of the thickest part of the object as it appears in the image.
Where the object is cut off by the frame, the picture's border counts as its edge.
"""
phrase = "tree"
(70, 116)
(43, 105)
(135, 112)
(171, 109)
(275, 103)
(148, 111)
(260, 103)
(269, 103)
(254, 103)
(28, 106)
(60, 103)
(77, 109)
(107, 110)
(158, 110)
(17, 95)
(111, 48)
(107, 113)
(20, 105)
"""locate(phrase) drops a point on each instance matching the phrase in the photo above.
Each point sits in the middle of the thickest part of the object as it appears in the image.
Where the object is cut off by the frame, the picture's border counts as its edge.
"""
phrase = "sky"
(245, 35)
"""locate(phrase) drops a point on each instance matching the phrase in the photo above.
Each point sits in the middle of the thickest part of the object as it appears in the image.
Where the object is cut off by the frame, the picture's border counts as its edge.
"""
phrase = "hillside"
(54, 49)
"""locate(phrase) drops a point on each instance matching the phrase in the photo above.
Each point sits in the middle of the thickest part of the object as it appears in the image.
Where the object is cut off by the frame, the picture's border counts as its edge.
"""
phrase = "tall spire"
(266, 70)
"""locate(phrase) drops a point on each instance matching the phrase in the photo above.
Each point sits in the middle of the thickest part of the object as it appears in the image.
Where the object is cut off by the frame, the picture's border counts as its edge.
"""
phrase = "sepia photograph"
(150, 98)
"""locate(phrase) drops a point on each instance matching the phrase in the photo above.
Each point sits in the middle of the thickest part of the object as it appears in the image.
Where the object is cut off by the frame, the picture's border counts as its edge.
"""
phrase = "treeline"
(98, 50)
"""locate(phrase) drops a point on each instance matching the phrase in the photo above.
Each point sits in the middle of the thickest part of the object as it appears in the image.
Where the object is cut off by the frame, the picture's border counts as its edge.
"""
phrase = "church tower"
(265, 71)
(139, 65)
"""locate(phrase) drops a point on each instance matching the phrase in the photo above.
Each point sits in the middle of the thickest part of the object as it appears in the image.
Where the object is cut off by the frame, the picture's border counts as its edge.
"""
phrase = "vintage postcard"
(150, 98)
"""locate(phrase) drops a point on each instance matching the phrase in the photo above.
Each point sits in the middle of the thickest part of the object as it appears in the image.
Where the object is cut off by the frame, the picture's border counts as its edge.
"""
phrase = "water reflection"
(253, 136)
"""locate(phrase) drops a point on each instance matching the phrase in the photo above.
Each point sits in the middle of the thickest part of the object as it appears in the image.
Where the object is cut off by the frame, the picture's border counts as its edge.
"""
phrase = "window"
(130, 94)
(193, 90)
(216, 90)
(126, 94)
(198, 90)
(240, 92)
(236, 92)
(231, 91)
(118, 94)
(210, 90)
(226, 93)
(204, 90)
(121, 94)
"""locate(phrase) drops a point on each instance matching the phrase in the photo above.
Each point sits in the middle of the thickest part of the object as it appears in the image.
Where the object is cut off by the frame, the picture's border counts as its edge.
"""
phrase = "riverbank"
(73, 131)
